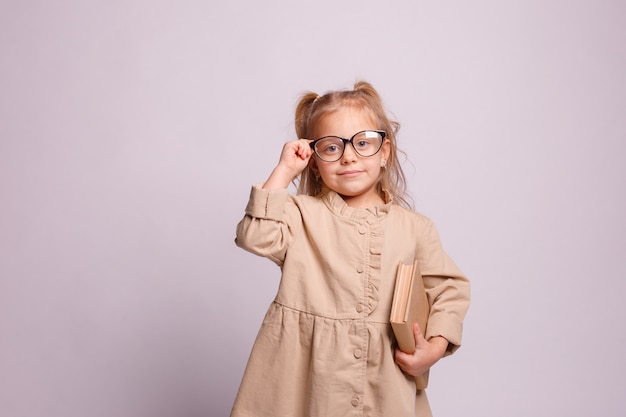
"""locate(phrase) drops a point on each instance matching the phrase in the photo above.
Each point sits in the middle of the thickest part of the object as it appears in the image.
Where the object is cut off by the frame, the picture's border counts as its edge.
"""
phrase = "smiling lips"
(349, 174)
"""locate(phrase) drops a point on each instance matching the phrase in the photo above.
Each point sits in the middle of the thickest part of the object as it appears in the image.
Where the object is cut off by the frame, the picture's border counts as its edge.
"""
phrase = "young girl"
(326, 347)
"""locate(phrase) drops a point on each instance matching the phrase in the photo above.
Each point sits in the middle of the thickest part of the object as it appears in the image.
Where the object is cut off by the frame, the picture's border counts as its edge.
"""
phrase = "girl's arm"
(268, 225)
(271, 220)
(448, 292)
(447, 288)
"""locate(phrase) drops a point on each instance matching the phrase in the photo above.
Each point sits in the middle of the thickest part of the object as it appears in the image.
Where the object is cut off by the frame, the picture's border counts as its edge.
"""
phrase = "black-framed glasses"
(365, 143)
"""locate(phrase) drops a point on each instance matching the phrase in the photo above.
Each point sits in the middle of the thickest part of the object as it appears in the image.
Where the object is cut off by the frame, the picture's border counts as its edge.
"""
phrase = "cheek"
(326, 169)
(322, 169)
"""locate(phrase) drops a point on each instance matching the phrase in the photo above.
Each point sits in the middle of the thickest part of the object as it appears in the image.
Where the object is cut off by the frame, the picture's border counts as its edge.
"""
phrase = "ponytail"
(303, 111)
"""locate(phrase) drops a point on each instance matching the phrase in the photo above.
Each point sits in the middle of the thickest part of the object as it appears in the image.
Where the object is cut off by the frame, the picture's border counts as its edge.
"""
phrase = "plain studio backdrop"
(131, 132)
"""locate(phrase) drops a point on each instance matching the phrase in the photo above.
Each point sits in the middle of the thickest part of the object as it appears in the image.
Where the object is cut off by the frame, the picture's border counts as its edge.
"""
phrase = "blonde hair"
(312, 107)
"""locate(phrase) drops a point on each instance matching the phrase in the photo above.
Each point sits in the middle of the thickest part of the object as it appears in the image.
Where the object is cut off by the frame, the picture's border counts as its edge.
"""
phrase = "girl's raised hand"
(295, 155)
(294, 158)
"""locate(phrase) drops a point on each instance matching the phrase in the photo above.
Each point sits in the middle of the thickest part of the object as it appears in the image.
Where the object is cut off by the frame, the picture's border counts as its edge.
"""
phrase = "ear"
(385, 151)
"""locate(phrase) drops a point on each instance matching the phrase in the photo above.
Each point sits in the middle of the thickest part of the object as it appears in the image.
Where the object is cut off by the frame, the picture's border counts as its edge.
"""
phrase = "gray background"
(131, 131)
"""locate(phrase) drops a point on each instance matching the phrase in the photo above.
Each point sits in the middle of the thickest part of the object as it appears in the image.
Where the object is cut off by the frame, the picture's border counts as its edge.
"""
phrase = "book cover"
(410, 305)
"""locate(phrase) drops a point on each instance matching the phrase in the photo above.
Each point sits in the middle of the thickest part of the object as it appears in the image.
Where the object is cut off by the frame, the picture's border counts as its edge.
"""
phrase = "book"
(409, 306)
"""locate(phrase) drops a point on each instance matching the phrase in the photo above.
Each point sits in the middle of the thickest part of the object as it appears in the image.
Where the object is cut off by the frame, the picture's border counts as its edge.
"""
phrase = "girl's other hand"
(427, 352)
(294, 158)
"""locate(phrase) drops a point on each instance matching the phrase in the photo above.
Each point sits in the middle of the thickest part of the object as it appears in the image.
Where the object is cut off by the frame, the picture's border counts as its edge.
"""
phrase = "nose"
(349, 154)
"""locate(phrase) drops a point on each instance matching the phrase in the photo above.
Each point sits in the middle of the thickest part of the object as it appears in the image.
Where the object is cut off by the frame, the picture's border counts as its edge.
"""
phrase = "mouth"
(349, 174)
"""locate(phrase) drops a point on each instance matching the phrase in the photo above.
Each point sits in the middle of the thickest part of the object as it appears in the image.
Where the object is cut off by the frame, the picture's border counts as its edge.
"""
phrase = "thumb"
(419, 338)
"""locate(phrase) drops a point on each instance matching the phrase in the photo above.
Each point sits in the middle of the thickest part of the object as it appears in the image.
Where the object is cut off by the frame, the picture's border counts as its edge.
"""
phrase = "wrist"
(439, 345)
(280, 177)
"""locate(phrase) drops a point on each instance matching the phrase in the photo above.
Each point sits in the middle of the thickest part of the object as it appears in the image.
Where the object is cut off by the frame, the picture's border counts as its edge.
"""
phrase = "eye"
(329, 146)
(363, 143)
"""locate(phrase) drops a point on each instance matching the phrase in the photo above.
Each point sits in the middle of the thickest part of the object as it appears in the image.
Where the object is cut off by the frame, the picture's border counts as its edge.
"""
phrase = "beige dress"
(325, 347)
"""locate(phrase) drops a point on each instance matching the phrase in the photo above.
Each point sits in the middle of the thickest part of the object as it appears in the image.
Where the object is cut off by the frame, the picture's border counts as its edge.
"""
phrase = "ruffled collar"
(337, 205)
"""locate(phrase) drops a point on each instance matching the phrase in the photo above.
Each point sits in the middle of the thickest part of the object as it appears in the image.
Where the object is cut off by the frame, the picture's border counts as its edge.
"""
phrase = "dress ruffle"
(370, 220)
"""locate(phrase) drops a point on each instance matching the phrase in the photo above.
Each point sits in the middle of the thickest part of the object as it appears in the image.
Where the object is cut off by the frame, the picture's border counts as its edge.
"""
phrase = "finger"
(416, 330)
(401, 358)
(292, 150)
(306, 143)
(301, 152)
(417, 333)
(306, 149)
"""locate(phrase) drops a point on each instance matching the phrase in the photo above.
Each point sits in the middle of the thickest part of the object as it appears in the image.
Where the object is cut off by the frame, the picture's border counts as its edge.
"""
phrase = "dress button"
(355, 402)
(362, 230)
(358, 353)
(359, 268)
(359, 308)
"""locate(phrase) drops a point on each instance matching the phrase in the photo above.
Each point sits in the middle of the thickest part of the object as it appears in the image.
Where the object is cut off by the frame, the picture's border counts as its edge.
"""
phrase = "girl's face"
(353, 177)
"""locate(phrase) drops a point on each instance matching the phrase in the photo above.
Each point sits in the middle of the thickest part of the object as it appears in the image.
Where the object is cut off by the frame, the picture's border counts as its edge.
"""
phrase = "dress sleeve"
(265, 229)
(448, 290)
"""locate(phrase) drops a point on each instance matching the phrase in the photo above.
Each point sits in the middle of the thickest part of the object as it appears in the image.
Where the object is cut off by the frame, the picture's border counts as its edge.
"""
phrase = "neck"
(363, 201)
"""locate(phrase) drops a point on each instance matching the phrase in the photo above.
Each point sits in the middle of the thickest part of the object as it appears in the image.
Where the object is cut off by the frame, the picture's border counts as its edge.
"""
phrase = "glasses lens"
(330, 148)
(367, 143)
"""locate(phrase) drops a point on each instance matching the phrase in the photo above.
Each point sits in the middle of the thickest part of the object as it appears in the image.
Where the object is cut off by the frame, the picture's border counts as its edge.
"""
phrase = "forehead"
(345, 122)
